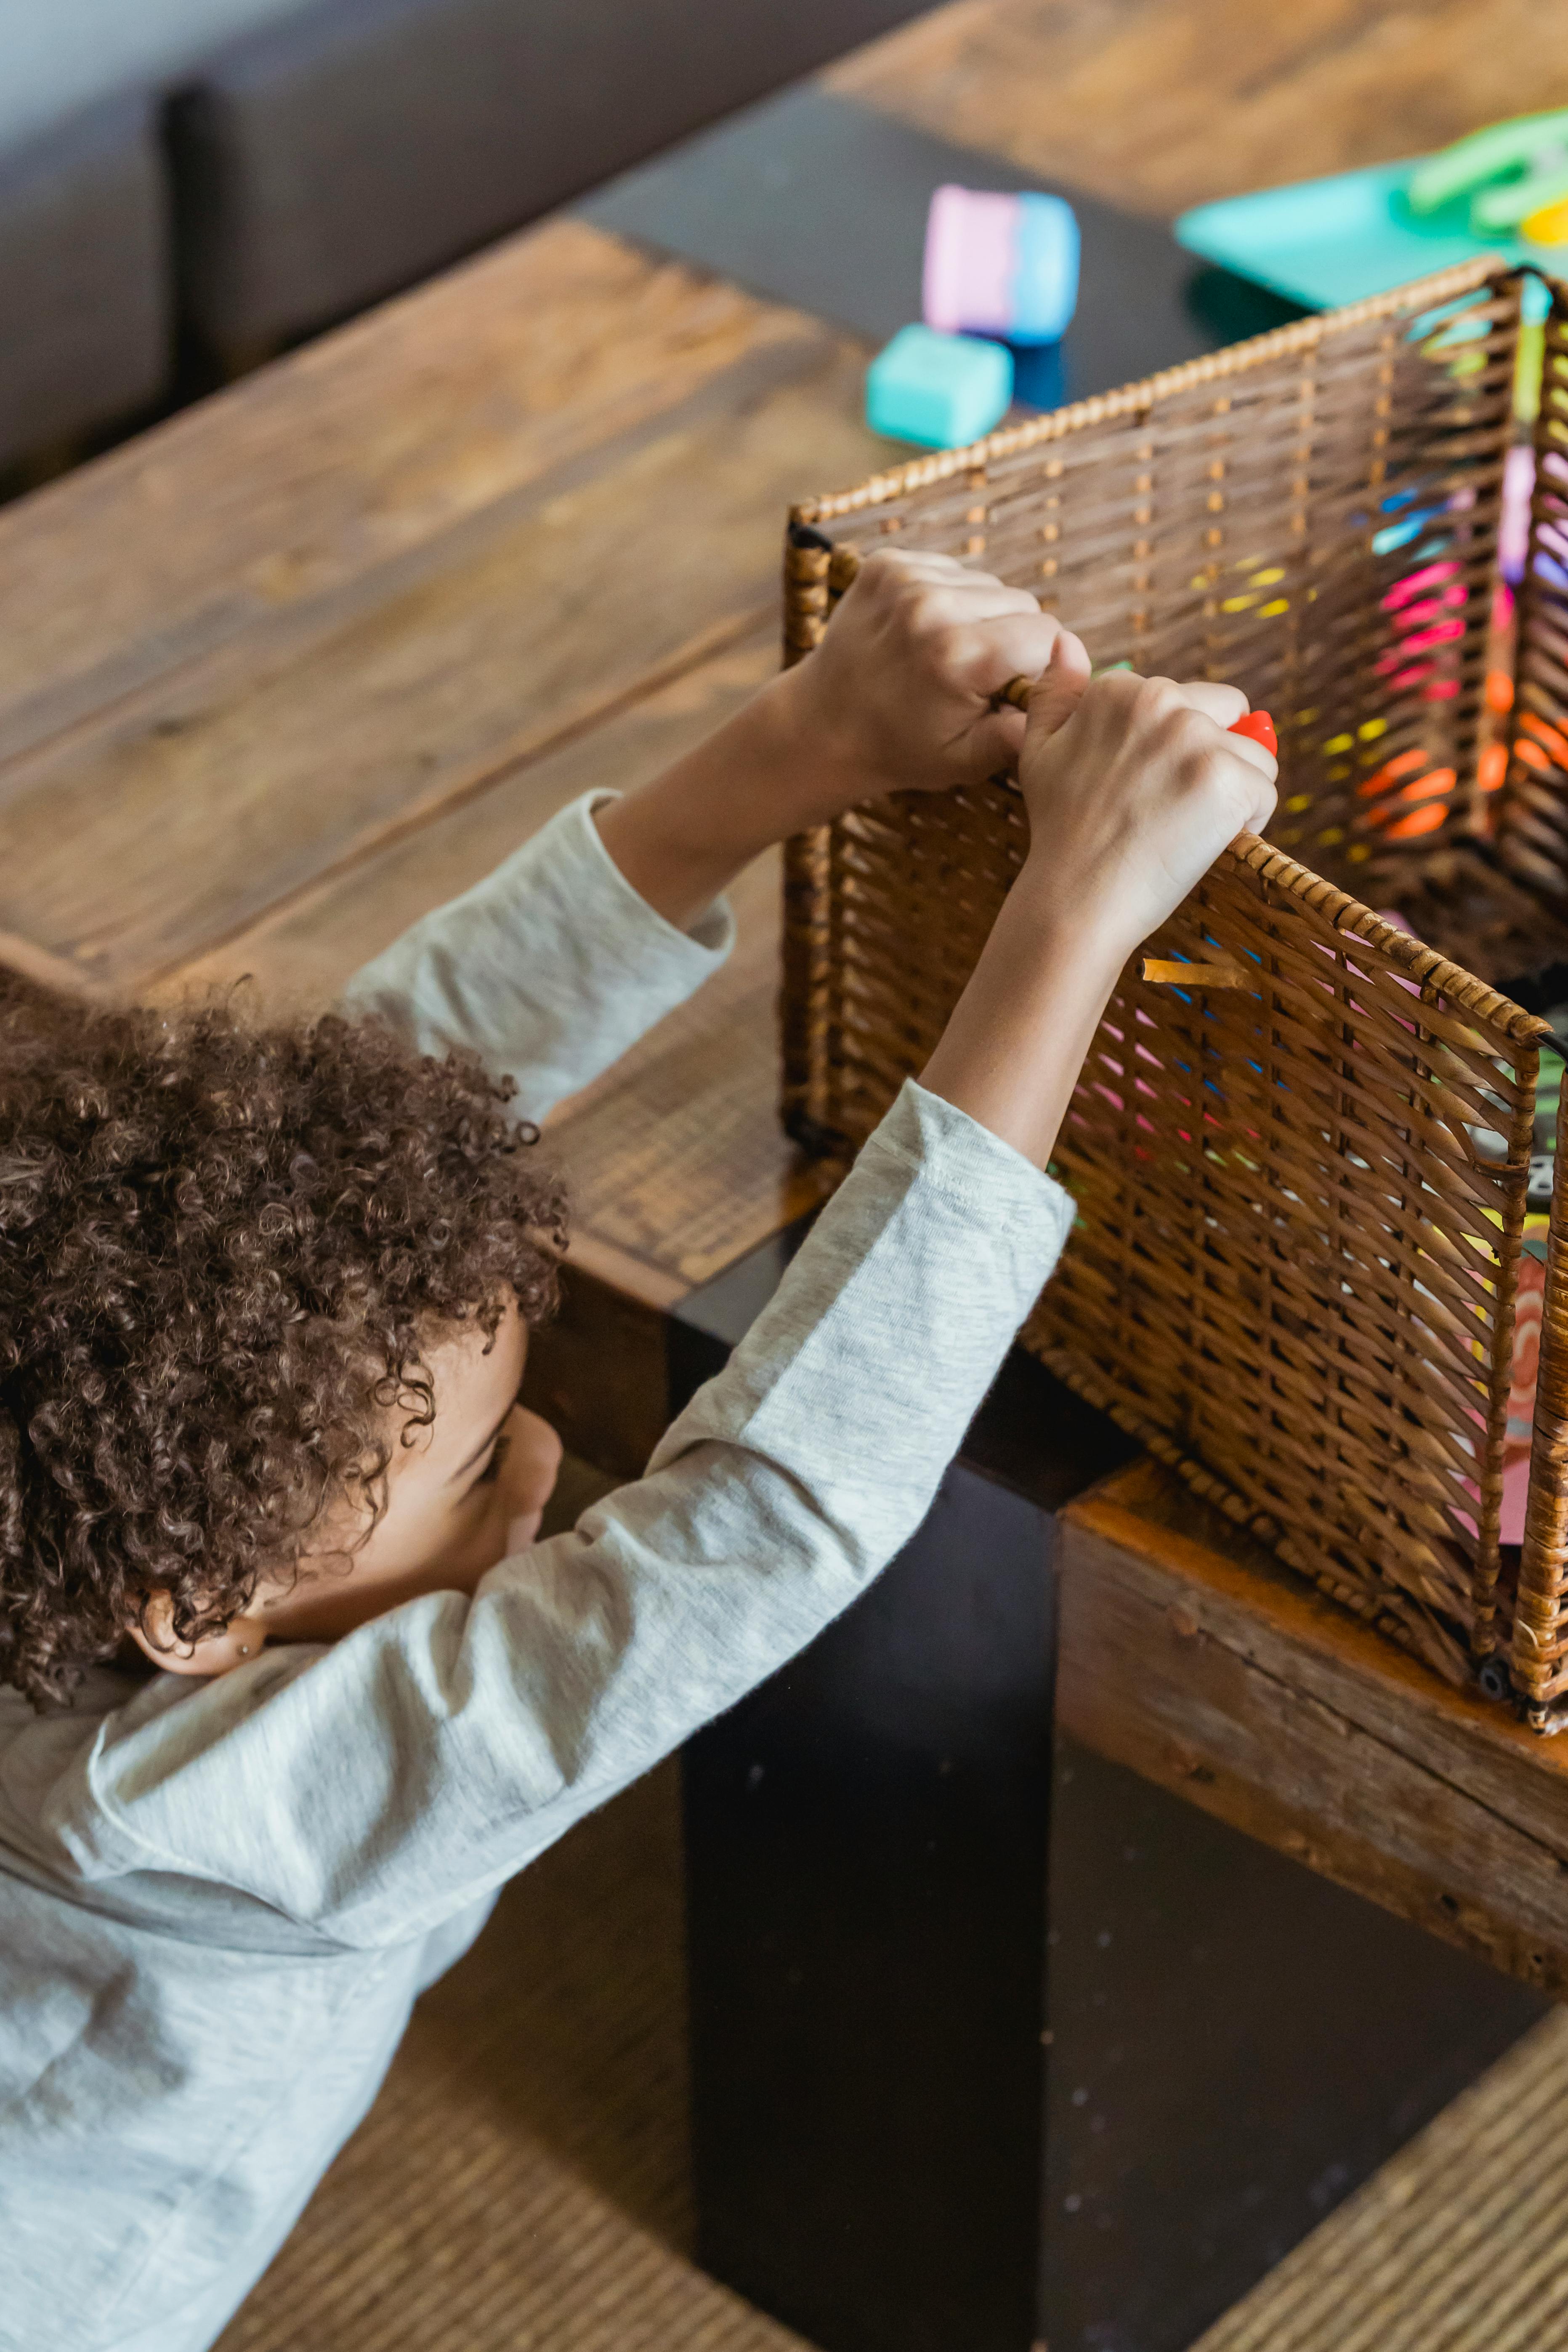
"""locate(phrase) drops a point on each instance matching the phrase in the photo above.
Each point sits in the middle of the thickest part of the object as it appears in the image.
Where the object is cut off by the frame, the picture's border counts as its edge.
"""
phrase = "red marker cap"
(1257, 726)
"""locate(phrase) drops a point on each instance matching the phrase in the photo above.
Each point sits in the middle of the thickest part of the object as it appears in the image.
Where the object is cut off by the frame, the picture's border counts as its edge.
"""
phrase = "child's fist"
(1133, 787)
(899, 694)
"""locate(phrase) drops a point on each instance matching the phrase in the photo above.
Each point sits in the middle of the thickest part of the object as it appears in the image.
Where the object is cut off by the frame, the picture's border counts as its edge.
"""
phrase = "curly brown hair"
(225, 1249)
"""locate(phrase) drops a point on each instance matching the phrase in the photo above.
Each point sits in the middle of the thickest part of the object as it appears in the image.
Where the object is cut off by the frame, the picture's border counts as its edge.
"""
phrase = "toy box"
(1303, 1163)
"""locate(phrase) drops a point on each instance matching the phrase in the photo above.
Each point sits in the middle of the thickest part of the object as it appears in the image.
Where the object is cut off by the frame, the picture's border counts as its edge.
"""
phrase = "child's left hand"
(897, 698)
(898, 695)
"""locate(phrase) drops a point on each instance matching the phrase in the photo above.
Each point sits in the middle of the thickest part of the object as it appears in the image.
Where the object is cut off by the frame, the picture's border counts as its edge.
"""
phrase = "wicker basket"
(1303, 1171)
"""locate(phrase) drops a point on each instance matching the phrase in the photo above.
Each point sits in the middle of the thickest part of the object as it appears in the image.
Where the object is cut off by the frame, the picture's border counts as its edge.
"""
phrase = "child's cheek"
(533, 1463)
(521, 1532)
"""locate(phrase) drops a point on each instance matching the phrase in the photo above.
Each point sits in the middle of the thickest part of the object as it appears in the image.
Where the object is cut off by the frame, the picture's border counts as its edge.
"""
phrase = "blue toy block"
(940, 391)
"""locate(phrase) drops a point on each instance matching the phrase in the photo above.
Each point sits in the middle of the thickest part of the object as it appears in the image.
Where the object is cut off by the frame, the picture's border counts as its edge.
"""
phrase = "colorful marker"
(1259, 728)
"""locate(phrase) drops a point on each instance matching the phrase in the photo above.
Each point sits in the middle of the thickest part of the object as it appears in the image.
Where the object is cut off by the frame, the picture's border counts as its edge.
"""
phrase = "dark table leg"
(884, 1869)
(866, 1842)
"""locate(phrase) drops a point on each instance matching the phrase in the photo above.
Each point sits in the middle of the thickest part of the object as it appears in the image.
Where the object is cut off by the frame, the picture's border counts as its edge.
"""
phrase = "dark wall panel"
(84, 278)
(348, 152)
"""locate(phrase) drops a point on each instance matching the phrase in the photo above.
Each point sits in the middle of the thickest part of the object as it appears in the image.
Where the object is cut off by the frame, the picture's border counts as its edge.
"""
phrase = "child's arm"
(1132, 789)
(897, 698)
(372, 1790)
(611, 916)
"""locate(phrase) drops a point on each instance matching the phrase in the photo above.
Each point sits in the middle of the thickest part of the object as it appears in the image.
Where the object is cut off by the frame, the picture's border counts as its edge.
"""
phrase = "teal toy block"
(939, 390)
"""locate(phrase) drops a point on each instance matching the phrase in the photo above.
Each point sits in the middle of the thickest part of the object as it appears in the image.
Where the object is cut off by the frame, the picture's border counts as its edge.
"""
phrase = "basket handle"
(837, 562)
(1255, 725)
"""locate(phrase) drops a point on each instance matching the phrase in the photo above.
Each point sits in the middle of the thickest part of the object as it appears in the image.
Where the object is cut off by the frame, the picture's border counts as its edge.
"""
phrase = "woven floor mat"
(521, 2182)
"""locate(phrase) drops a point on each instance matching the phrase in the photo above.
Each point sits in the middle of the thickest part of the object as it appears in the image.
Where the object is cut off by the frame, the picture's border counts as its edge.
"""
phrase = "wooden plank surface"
(280, 675)
(1158, 104)
(273, 498)
(1188, 1654)
(135, 842)
(302, 950)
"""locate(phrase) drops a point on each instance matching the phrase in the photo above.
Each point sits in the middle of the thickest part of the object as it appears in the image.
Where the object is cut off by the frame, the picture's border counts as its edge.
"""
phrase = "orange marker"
(1259, 728)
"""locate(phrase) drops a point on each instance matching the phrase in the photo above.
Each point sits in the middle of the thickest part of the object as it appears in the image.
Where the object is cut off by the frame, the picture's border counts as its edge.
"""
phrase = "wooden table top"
(1158, 104)
(281, 674)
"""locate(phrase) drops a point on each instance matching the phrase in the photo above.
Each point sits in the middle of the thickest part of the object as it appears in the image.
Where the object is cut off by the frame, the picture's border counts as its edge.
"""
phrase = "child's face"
(462, 1494)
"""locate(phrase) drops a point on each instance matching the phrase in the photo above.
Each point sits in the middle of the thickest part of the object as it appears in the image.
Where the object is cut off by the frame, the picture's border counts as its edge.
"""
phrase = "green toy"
(1502, 192)
(1512, 172)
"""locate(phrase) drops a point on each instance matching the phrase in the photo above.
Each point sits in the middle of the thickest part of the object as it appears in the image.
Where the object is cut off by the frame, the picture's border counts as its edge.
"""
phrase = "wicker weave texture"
(1301, 1191)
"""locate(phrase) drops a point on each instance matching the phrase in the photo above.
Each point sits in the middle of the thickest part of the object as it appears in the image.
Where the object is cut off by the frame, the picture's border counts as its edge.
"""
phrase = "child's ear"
(217, 1653)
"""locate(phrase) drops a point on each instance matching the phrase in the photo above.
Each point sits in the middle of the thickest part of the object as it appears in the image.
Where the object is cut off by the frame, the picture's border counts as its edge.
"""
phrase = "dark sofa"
(240, 203)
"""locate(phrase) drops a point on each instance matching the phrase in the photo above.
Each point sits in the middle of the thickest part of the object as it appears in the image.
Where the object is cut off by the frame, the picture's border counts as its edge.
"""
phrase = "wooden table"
(279, 674)
(283, 673)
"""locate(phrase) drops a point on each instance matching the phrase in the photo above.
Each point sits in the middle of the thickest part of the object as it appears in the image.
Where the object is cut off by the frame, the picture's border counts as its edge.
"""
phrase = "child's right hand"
(1133, 788)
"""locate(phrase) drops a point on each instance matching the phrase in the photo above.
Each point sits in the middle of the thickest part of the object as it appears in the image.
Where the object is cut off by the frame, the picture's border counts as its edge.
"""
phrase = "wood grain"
(684, 1165)
(1158, 104)
(1189, 1656)
(131, 845)
(347, 457)
(301, 952)
(676, 1159)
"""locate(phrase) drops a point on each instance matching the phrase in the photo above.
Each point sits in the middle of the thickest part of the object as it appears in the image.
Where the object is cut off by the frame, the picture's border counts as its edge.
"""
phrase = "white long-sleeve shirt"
(218, 1899)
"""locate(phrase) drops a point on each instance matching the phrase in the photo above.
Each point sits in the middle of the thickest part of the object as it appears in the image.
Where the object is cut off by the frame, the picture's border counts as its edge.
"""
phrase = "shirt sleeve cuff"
(550, 967)
(714, 932)
(974, 1167)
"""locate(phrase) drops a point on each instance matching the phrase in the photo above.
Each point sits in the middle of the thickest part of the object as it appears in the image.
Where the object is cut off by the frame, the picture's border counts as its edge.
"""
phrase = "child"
(264, 1306)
